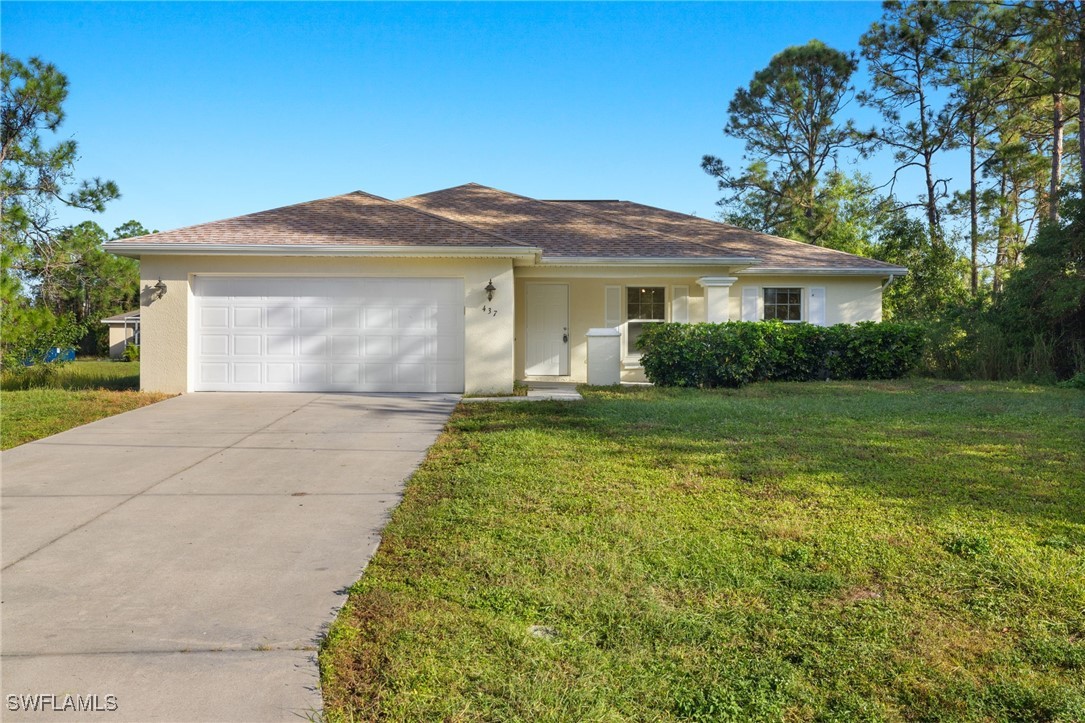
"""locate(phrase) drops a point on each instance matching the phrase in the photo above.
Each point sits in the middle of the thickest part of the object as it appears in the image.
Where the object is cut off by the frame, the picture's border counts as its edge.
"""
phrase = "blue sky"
(203, 111)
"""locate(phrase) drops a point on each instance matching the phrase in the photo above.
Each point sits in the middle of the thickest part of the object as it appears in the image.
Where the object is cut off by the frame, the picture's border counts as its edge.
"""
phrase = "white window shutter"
(815, 310)
(751, 303)
(680, 304)
(613, 307)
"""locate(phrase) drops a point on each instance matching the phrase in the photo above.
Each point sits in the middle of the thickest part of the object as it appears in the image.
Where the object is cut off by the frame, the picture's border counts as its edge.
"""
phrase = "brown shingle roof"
(478, 216)
(560, 230)
(353, 219)
(773, 251)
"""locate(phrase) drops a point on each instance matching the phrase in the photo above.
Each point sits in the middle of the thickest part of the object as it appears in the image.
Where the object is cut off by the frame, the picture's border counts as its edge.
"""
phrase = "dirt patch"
(859, 594)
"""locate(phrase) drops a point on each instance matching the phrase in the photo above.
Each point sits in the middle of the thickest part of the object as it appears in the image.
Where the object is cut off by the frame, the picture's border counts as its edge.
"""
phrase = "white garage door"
(328, 334)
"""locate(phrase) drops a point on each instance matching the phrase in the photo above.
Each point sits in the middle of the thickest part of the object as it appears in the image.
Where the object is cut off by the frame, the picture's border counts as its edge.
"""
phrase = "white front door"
(547, 352)
(294, 334)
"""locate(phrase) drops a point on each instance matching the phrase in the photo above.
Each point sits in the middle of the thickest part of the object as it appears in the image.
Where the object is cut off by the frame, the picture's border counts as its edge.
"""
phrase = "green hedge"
(738, 352)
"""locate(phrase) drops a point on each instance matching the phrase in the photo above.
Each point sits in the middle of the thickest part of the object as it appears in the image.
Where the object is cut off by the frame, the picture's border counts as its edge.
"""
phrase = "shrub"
(131, 353)
(735, 353)
(872, 350)
(1075, 382)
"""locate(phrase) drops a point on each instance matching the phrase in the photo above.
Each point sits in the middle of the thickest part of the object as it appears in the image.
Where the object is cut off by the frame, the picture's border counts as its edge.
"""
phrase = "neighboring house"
(123, 330)
(360, 293)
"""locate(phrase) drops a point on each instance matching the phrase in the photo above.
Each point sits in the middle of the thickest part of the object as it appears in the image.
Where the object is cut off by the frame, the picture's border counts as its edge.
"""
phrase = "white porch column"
(717, 297)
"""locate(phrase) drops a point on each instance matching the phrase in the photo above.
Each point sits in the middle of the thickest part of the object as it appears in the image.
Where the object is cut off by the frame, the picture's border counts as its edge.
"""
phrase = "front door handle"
(565, 337)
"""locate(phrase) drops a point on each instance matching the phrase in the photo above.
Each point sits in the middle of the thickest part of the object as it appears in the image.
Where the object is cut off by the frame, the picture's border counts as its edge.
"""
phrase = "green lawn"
(78, 393)
(906, 550)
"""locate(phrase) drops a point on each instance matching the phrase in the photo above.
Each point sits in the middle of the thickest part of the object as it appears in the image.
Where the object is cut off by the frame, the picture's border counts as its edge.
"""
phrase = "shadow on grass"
(1010, 449)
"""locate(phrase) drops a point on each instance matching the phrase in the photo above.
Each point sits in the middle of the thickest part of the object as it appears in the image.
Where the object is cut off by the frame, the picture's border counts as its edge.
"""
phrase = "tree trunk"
(973, 203)
(1003, 230)
(932, 202)
(928, 170)
(1081, 96)
(1057, 123)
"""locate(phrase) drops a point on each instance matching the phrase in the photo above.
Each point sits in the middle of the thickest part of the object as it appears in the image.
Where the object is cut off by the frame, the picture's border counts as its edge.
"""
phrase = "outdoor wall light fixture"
(490, 289)
(158, 290)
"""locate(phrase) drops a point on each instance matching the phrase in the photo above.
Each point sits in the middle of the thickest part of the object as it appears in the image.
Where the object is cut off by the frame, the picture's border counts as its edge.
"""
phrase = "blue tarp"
(55, 354)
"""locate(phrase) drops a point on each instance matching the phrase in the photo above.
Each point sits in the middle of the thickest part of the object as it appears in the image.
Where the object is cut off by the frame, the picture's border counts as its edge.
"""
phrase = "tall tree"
(907, 58)
(1045, 299)
(35, 177)
(1043, 49)
(788, 118)
(934, 283)
(978, 90)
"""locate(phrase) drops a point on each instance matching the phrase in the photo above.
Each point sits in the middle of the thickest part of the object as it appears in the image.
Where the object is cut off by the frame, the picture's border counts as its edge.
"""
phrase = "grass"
(828, 551)
(33, 406)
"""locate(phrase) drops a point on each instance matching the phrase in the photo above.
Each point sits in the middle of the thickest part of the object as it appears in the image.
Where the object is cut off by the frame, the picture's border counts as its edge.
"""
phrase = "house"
(123, 330)
(459, 290)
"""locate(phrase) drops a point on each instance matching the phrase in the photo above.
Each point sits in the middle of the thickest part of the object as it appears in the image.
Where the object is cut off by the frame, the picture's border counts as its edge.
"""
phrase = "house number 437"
(490, 310)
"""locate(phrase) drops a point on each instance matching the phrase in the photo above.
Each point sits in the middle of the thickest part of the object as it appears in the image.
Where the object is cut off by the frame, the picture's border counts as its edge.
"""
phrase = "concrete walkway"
(539, 392)
(186, 557)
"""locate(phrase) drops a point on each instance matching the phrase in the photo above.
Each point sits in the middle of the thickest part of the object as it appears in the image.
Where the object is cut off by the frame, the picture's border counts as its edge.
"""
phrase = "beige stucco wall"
(847, 300)
(164, 350)
(119, 336)
(489, 368)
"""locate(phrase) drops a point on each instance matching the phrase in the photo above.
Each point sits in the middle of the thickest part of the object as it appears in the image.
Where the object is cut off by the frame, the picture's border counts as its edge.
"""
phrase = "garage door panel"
(411, 318)
(280, 316)
(379, 346)
(280, 372)
(247, 317)
(380, 374)
(246, 373)
(349, 374)
(448, 374)
(346, 346)
(346, 318)
(214, 317)
(280, 345)
(214, 344)
(313, 373)
(315, 334)
(445, 348)
(248, 344)
(379, 318)
(314, 318)
(412, 374)
(215, 373)
(411, 348)
(313, 346)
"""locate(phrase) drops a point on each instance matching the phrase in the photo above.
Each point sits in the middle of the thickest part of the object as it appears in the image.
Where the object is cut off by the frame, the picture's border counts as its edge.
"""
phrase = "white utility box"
(604, 357)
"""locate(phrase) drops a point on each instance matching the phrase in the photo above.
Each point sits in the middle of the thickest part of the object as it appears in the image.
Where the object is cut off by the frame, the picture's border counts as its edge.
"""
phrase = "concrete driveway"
(186, 557)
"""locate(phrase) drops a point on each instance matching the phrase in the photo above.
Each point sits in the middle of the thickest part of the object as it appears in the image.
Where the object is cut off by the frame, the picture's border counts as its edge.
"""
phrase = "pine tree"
(788, 118)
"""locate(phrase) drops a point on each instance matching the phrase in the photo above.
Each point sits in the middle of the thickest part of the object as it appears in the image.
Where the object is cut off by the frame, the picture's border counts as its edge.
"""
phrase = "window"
(783, 304)
(643, 305)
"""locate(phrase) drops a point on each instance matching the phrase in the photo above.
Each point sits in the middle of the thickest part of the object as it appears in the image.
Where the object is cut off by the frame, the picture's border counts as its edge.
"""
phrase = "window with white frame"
(784, 304)
(643, 305)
